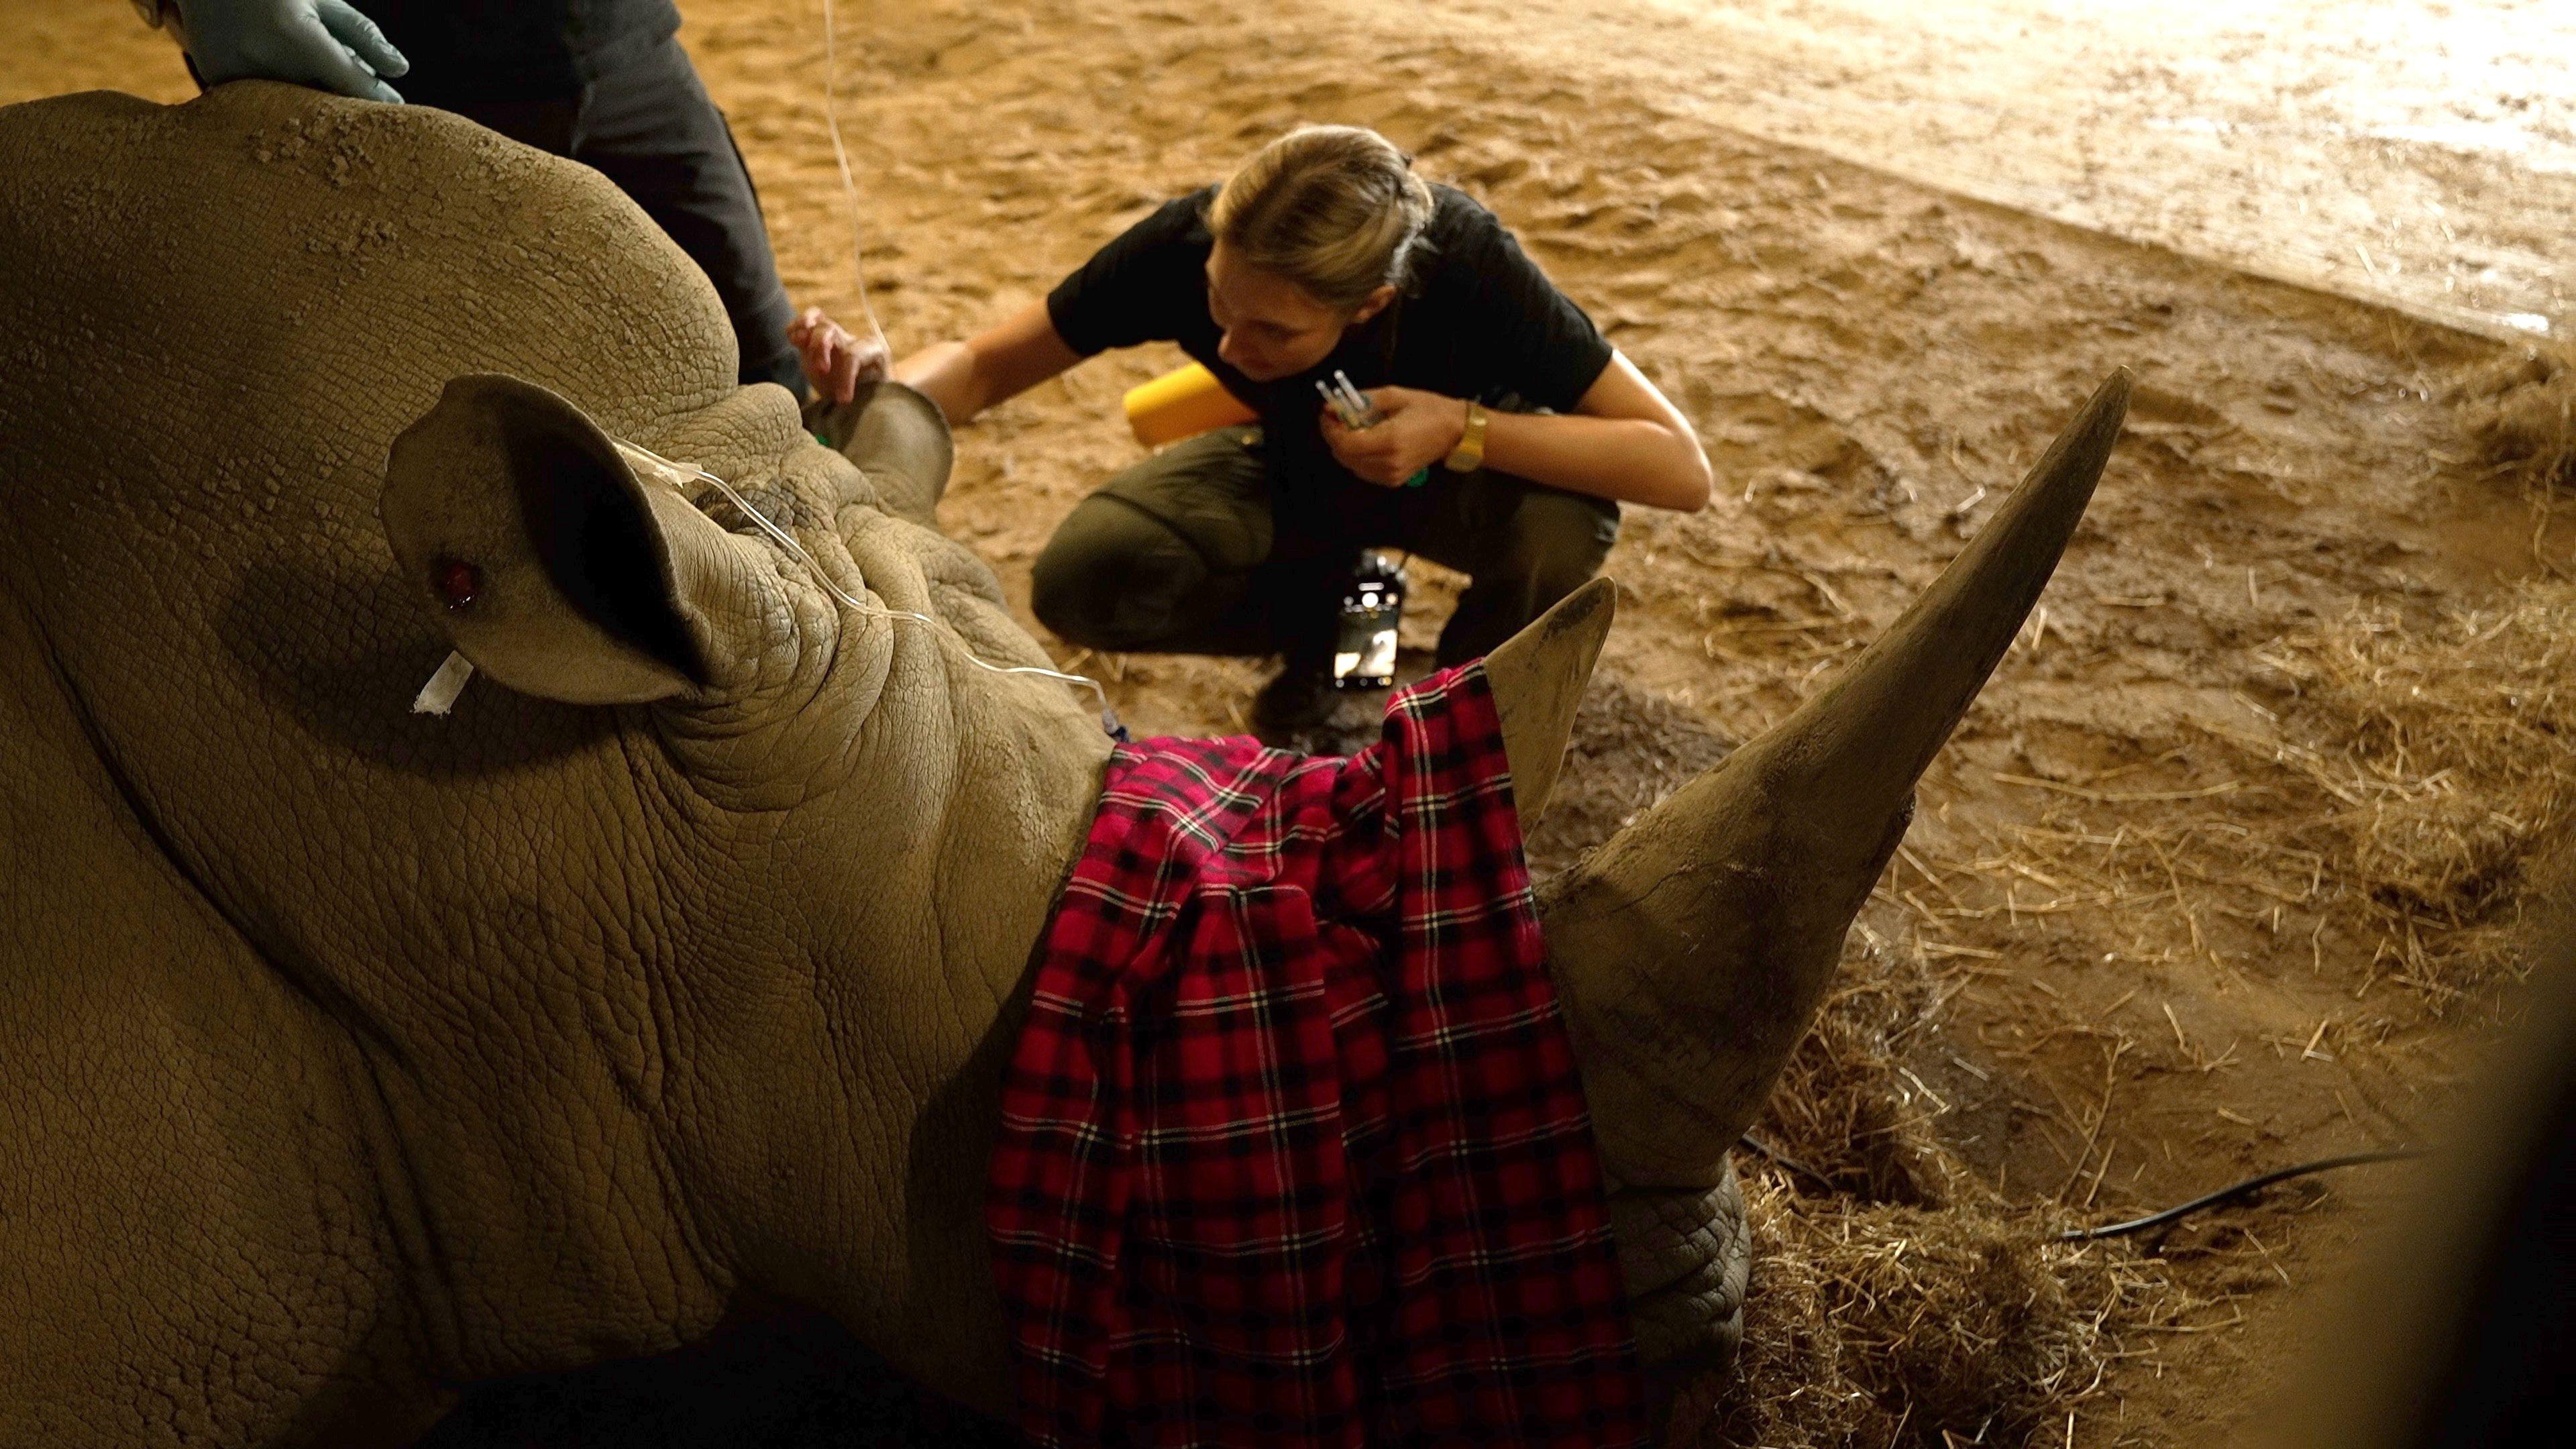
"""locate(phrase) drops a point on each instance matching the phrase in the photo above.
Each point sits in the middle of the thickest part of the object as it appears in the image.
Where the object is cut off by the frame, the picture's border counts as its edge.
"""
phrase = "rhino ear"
(1537, 677)
(550, 564)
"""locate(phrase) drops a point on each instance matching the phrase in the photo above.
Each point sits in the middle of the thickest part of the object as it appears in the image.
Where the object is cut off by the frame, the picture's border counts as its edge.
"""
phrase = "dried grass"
(1883, 1325)
(2443, 776)
(2521, 415)
(1843, 1108)
(1909, 1304)
(2419, 763)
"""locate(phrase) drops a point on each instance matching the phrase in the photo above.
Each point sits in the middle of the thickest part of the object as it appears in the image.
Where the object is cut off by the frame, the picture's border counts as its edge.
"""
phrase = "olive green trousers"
(1204, 548)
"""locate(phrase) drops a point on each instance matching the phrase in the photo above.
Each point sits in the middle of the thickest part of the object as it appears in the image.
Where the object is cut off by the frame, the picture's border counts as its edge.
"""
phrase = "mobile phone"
(1372, 606)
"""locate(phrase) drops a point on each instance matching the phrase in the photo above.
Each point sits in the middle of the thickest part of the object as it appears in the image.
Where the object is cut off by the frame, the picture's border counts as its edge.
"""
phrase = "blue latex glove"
(320, 43)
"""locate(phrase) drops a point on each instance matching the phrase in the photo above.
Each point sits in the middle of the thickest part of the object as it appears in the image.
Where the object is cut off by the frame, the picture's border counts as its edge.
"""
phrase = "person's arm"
(1001, 362)
(1132, 290)
(1624, 441)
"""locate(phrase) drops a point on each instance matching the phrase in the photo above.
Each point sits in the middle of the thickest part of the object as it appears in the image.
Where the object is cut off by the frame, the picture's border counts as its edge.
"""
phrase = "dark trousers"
(1203, 549)
(649, 126)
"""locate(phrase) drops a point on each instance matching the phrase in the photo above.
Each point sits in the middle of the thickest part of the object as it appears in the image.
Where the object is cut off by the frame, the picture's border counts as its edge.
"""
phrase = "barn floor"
(2225, 870)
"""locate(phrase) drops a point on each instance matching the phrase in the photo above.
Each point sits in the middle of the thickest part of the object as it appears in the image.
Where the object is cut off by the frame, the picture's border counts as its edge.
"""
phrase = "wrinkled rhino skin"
(346, 1054)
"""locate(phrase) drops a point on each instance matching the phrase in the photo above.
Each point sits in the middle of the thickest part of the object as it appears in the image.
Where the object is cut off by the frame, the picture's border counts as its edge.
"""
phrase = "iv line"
(859, 279)
(849, 185)
(670, 472)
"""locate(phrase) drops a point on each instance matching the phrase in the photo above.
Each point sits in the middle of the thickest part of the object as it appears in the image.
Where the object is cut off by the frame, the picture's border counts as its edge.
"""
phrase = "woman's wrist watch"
(1470, 452)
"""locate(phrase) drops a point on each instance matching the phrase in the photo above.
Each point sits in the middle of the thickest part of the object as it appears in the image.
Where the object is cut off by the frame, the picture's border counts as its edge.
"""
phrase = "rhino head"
(675, 972)
(1691, 950)
(890, 792)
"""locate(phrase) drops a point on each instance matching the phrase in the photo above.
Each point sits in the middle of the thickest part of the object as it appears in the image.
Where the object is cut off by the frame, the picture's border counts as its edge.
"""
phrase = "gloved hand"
(320, 43)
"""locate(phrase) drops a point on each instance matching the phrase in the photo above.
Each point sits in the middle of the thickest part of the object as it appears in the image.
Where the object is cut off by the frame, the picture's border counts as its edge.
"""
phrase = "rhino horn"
(1692, 949)
(1537, 677)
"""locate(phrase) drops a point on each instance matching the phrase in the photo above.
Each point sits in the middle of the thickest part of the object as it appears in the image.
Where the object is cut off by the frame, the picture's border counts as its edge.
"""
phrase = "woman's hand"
(1418, 430)
(836, 359)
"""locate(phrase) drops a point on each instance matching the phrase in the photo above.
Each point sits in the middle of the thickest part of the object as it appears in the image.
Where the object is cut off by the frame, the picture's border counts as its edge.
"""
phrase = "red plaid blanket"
(1292, 1147)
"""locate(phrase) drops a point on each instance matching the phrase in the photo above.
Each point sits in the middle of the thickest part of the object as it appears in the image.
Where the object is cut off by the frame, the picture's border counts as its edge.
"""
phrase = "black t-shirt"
(1478, 319)
(465, 51)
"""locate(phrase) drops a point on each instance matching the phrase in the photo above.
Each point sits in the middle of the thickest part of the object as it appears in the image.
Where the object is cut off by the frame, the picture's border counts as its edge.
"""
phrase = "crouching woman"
(1511, 430)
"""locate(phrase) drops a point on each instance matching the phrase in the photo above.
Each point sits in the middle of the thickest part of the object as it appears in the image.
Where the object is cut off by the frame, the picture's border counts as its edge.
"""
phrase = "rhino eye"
(455, 581)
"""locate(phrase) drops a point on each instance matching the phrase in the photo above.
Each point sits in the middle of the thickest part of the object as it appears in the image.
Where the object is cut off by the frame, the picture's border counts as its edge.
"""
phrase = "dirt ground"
(2225, 869)
(2411, 151)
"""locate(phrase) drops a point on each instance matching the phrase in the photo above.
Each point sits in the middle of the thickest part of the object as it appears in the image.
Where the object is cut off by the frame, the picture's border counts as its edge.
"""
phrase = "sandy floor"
(2165, 961)
(2416, 151)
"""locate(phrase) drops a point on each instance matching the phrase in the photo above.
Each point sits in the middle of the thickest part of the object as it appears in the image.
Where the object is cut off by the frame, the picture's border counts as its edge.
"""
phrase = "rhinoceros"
(350, 1054)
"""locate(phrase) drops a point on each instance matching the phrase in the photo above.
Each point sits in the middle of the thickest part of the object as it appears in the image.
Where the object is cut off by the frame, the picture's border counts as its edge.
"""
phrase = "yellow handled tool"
(1182, 404)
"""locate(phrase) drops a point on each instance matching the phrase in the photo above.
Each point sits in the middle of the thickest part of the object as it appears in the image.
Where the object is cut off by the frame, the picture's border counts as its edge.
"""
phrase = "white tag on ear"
(439, 695)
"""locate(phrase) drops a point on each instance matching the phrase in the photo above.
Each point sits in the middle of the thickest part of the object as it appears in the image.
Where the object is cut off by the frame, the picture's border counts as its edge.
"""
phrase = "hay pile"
(2521, 415)
(2447, 785)
(1872, 1324)
(1897, 1300)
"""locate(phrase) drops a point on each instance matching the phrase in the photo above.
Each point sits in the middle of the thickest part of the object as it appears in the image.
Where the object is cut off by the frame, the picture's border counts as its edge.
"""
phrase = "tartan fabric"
(1292, 1146)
